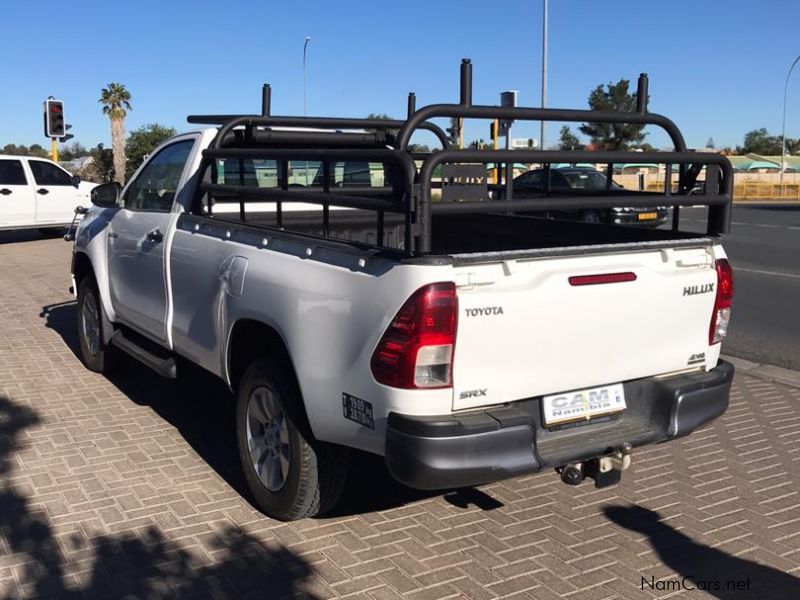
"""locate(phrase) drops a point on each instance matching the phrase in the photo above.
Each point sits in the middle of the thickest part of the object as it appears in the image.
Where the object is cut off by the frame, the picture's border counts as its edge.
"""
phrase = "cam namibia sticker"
(583, 404)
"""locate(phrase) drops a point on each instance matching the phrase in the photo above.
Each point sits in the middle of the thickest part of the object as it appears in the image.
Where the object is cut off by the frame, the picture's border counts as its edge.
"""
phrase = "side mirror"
(106, 195)
(76, 180)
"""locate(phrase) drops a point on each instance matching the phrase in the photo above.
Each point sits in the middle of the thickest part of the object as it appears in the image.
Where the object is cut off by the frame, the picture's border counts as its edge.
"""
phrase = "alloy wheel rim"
(268, 438)
(90, 323)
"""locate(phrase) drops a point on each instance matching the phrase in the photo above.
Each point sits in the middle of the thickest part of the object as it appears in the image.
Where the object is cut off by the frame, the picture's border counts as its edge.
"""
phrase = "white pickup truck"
(38, 193)
(462, 341)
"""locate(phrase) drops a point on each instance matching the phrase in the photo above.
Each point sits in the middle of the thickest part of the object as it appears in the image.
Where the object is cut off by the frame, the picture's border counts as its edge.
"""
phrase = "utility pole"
(305, 96)
(543, 126)
(783, 127)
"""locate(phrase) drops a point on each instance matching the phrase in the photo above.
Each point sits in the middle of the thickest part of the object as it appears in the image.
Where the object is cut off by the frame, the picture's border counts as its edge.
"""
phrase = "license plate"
(583, 405)
(648, 216)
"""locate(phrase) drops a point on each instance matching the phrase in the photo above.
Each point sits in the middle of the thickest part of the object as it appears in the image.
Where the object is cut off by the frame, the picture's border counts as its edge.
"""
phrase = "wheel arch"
(250, 339)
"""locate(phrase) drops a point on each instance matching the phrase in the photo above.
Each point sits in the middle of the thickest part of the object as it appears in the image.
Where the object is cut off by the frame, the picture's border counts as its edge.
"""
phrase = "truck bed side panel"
(329, 310)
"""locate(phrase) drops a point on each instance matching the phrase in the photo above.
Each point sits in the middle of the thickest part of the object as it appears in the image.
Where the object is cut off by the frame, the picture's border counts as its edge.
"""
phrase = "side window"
(46, 173)
(305, 173)
(532, 179)
(155, 186)
(257, 172)
(11, 173)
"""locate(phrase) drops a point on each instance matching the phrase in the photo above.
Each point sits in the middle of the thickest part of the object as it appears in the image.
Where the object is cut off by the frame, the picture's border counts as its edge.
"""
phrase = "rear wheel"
(290, 474)
(96, 355)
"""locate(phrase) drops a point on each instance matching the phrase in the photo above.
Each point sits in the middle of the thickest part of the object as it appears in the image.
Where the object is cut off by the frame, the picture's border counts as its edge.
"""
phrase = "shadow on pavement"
(131, 564)
(201, 407)
(701, 563)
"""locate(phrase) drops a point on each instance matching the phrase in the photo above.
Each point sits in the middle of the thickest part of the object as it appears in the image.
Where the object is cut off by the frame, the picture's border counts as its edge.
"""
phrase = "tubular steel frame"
(328, 139)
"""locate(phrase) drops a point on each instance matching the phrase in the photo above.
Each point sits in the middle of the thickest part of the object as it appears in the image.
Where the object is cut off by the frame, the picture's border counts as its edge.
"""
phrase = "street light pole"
(783, 127)
(543, 125)
(305, 97)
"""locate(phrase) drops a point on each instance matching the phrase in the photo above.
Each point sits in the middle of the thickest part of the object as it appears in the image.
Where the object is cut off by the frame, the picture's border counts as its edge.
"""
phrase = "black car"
(578, 180)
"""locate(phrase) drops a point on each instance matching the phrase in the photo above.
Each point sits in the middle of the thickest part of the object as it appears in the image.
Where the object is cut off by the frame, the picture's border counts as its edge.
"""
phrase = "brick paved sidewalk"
(129, 487)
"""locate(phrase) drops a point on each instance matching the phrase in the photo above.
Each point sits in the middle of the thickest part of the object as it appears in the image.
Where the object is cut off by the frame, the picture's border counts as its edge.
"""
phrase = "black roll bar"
(535, 114)
(229, 122)
(719, 203)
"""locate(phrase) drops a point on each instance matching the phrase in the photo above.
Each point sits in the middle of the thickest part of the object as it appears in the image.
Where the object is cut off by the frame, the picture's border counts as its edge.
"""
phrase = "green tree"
(568, 140)
(116, 101)
(613, 136)
(710, 143)
(16, 150)
(70, 151)
(102, 167)
(142, 142)
(759, 141)
(38, 150)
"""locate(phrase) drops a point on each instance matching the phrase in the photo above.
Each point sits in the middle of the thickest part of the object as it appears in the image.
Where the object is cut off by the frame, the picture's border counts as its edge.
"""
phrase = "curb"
(769, 372)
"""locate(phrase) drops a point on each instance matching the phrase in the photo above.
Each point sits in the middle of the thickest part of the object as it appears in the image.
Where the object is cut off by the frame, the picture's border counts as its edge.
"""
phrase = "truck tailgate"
(526, 329)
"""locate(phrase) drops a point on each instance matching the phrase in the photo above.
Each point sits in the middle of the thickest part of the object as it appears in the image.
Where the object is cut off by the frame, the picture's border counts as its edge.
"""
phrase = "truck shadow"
(201, 407)
(698, 563)
(133, 564)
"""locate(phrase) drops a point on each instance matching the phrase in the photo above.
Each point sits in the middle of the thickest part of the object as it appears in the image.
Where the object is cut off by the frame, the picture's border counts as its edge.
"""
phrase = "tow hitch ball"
(605, 470)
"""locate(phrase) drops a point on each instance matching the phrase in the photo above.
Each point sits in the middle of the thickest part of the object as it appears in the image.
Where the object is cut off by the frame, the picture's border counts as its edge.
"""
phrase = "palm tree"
(116, 101)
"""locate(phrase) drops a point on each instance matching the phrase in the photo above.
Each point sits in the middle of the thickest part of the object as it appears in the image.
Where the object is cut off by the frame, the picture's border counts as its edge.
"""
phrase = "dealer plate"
(583, 405)
(648, 216)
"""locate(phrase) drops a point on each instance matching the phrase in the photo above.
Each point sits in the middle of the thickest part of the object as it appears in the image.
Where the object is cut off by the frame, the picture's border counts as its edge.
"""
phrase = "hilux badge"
(692, 290)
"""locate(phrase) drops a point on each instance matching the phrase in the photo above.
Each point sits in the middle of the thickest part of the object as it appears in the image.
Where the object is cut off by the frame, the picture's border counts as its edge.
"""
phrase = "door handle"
(155, 236)
(5, 191)
(113, 235)
(42, 191)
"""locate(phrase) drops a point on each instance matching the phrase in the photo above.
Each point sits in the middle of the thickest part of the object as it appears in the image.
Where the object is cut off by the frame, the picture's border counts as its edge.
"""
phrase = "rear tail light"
(722, 303)
(416, 350)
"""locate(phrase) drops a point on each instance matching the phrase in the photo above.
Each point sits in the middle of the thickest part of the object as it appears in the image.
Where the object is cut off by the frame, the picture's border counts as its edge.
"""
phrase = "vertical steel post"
(266, 96)
(54, 149)
(641, 93)
(466, 82)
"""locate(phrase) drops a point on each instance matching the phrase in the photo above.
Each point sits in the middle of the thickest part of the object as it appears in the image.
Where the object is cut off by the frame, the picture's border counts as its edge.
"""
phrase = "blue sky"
(716, 68)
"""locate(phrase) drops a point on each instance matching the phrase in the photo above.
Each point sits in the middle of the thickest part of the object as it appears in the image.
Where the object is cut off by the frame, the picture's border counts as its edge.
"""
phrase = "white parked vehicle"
(462, 341)
(38, 193)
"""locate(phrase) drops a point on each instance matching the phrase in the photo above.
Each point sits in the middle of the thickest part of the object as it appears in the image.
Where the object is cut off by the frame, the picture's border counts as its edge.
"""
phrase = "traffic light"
(54, 124)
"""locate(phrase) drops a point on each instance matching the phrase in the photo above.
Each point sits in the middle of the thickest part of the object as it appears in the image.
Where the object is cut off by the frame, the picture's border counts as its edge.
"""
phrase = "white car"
(38, 193)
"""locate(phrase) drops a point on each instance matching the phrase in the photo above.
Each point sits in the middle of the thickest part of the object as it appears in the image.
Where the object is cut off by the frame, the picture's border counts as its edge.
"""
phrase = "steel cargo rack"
(410, 176)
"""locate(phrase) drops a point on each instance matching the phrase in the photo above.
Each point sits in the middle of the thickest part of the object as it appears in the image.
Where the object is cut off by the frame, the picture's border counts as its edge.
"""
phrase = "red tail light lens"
(416, 351)
(722, 303)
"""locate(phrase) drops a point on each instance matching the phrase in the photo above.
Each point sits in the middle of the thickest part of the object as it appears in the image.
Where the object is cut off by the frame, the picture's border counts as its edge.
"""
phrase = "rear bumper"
(505, 441)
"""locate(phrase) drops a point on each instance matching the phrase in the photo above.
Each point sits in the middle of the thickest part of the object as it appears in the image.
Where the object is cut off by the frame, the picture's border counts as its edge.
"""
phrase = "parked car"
(584, 180)
(463, 342)
(38, 193)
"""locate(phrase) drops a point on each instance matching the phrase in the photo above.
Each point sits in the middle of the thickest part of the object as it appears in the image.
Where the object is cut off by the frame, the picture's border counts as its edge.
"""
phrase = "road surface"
(764, 249)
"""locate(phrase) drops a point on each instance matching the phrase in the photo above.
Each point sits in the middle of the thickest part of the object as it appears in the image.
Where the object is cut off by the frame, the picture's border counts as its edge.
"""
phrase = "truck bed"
(471, 237)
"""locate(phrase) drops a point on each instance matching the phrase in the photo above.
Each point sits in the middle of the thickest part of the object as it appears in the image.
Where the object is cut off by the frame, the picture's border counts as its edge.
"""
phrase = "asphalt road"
(764, 249)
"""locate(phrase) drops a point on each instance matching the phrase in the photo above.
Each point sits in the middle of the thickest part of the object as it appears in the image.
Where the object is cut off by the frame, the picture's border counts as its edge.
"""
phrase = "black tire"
(316, 472)
(591, 216)
(97, 357)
